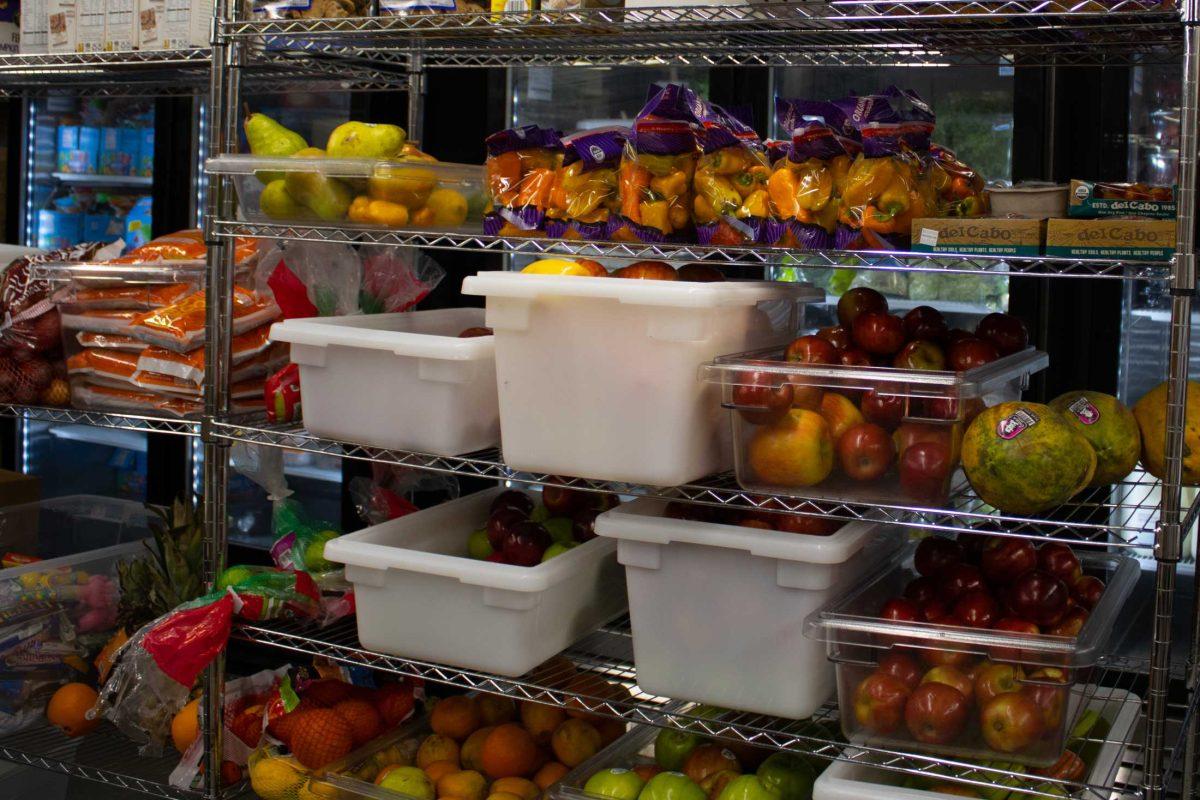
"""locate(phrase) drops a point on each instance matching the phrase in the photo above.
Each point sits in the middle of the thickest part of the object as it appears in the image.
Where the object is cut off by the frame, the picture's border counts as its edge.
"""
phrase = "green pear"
(268, 138)
(277, 203)
(365, 140)
(326, 197)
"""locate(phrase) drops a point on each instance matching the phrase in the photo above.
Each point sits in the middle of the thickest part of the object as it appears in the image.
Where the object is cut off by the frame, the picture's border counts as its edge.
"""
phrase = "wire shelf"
(607, 653)
(1123, 515)
(102, 419)
(828, 33)
(883, 261)
(104, 756)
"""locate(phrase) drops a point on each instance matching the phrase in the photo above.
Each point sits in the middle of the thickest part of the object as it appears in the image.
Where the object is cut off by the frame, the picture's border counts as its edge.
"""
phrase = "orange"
(185, 727)
(503, 796)
(471, 748)
(440, 769)
(69, 705)
(455, 717)
(320, 736)
(464, 785)
(553, 671)
(493, 709)
(437, 748)
(508, 751)
(549, 774)
(519, 786)
(541, 720)
(596, 689)
(610, 729)
(575, 741)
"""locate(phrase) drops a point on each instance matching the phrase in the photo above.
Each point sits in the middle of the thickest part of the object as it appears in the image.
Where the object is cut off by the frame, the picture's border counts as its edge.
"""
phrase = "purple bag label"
(1084, 411)
(792, 114)
(1016, 423)
(810, 237)
(598, 148)
(818, 140)
(524, 138)
(722, 129)
(556, 228)
(281, 551)
(592, 231)
(772, 231)
(844, 236)
(777, 149)
(888, 122)
(667, 124)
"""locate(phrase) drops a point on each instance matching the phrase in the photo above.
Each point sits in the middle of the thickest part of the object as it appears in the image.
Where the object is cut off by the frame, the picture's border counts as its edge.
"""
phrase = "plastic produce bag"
(383, 496)
(806, 182)
(281, 393)
(959, 188)
(180, 326)
(396, 279)
(521, 166)
(311, 279)
(657, 169)
(584, 200)
(185, 245)
(731, 204)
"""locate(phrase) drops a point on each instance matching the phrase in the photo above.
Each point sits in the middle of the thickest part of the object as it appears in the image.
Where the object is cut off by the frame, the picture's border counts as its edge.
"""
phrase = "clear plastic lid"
(444, 172)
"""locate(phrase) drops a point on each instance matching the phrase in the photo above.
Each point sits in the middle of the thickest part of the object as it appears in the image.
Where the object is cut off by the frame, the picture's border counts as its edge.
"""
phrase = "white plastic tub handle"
(644, 555)
(514, 601)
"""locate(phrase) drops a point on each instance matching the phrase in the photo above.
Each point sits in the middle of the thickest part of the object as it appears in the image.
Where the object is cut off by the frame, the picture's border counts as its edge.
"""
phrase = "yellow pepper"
(358, 209)
(678, 216)
(894, 199)
(839, 167)
(670, 186)
(782, 189)
(867, 179)
(816, 186)
(654, 215)
(719, 191)
(703, 209)
(755, 205)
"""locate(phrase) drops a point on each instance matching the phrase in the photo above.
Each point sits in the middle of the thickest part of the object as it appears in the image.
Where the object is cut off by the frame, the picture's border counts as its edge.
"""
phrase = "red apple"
(762, 398)
(501, 522)
(583, 525)
(865, 451)
(497, 557)
(951, 676)
(903, 666)
(1010, 722)
(936, 553)
(1088, 590)
(957, 335)
(920, 354)
(921, 590)
(925, 322)
(853, 357)
(471, 333)
(1004, 559)
(1013, 625)
(909, 433)
(957, 580)
(513, 498)
(967, 354)
(900, 609)
(809, 526)
(977, 608)
(936, 713)
(1039, 597)
(879, 702)
(947, 658)
(525, 543)
(878, 333)
(811, 350)
(1071, 623)
(885, 410)
(1060, 561)
(1006, 332)
(688, 511)
(997, 679)
(856, 301)
(1046, 688)
(837, 336)
(561, 501)
(935, 610)
(924, 470)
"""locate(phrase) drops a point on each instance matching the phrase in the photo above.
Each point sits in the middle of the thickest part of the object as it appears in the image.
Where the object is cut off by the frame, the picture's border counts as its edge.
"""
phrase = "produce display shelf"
(608, 653)
(104, 756)
(1123, 515)
(825, 33)
(102, 419)
(884, 261)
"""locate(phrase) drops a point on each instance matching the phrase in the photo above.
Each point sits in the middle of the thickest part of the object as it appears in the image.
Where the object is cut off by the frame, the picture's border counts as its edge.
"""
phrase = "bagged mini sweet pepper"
(521, 165)
(731, 204)
(584, 200)
(959, 188)
(657, 169)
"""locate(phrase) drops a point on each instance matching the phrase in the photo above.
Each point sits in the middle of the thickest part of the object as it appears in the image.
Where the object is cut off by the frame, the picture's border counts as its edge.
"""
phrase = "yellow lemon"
(448, 206)
(275, 778)
(556, 266)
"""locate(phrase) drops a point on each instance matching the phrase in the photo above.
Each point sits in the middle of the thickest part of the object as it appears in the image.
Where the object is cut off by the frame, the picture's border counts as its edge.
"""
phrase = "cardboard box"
(1135, 239)
(61, 27)
(35, 31)
(89, 26)
(979, 235)
(1093, 199)
(151, 16)
(121, 25)
(184, 24)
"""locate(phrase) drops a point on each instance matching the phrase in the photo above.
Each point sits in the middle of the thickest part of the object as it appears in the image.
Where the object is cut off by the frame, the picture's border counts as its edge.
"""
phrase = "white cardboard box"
(61, 26)
(35, 31)
(151, 16)
(121, 25)
(89, 26)
(187, 24)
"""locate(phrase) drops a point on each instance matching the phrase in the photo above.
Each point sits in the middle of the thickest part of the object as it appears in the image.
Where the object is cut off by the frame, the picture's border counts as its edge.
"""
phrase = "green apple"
(617, 783)
(672, 747)
(539, 514)
(559, 529)
(557, 549)
(409, 781)
(749, 787)
(789, 775)
(233, 576)
(671, 786)
(478, 545)
(314, 552)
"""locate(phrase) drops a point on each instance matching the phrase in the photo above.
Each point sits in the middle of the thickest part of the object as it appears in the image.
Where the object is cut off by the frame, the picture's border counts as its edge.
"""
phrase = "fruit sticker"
(1084, 411)
(1016, 423)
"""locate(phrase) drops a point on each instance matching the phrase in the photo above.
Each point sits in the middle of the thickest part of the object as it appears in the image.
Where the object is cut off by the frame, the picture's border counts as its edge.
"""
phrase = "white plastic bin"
(859, 780)
(598, 377)
(419, 595)
(718, 610)
(403, 381)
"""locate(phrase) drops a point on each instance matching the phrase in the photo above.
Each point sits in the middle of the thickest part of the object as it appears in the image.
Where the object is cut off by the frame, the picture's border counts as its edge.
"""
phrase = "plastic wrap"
(115, 323)
(396, 279)
(180, 326)
(959, 187)
(140, 297)
(731, 204)
(185, 245)
(657, 169)
(250, 348)
(383, 496)
(122, 369)
(521, 166)
(311, 279)
(584, 200)
(108, 341)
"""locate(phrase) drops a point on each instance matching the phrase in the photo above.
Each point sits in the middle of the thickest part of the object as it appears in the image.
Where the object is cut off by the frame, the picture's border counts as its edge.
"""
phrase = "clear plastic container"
(597, 376)
(778, 451)
(1052, 666)
(412, 195)
(420, 596)
(740, 630)
(66, 526)
(631, 750)
(429, 390)
(859, 780)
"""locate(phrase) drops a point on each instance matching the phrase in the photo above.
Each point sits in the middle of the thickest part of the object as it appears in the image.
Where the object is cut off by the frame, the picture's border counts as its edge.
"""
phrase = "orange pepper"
(782, 189)
(634, 180)
(503, 174)
(875, 220)
(558, 194)
(535, 188)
